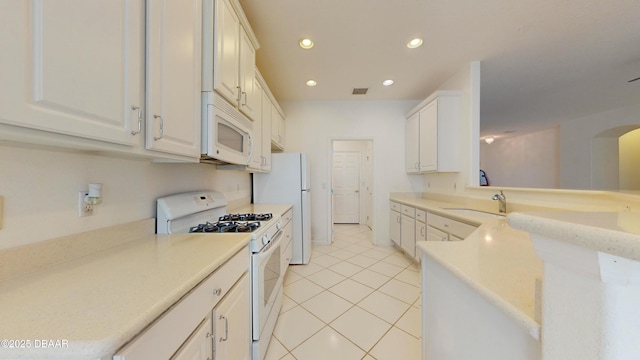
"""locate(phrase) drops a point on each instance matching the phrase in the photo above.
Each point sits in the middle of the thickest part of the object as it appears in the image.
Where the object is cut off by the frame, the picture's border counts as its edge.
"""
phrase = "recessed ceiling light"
(311, 83)
(306, 43)
(489, 139)
(387, 82)
(414, 43)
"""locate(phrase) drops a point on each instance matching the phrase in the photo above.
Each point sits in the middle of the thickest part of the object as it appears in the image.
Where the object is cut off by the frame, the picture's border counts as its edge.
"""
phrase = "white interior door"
(346, 187)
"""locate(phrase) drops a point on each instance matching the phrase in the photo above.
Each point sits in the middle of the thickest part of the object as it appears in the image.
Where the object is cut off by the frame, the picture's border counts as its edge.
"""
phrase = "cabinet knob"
(217, 292)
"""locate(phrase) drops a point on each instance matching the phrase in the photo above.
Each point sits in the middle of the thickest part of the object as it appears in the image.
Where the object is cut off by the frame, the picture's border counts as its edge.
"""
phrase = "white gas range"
(206, 212)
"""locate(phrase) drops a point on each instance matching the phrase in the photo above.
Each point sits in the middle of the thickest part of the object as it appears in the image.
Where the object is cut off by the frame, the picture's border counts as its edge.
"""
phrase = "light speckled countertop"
(496, 260)
(100, 301)
(616, 233)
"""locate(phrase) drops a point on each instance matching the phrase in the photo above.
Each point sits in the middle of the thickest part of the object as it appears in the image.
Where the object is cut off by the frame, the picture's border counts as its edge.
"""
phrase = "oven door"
(266, 281)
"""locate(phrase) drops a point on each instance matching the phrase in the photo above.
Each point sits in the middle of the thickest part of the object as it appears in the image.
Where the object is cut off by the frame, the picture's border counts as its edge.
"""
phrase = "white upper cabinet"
(226, 51)
(258, 124)
(73, 67)
(437, 146)
(277, 130)
(174, 38)
(234, 57)
(413, 144)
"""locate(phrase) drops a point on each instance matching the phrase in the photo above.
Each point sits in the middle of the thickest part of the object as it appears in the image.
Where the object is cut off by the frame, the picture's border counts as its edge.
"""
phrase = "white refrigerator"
(288, 183)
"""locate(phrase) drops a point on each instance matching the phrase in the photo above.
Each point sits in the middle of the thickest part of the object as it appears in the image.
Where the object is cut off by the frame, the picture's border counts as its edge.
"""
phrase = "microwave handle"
(250, 146)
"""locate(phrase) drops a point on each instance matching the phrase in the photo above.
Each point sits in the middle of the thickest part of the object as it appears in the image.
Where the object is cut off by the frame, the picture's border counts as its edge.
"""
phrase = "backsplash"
(40, 189)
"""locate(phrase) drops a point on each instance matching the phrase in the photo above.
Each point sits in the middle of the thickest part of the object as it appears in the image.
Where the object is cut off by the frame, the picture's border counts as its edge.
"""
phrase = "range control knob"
(265, 240)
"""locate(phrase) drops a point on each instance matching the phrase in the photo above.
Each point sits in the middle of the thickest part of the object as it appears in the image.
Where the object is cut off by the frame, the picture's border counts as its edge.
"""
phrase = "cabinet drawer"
(408, 210)
(287, 216)
(434, 234)
(450, 226)
(167, 333)
(421, 215)
(395, 206)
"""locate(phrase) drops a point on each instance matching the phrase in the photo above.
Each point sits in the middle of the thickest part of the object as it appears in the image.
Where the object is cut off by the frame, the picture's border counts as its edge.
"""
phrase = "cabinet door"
(394, 226)
(174, 33)
(413, 144)
(258, 128)
(408, 235)
(266, 132)
(421, 235)
(434, 234)
(198, 346)
(429, 137)
(73, 67)
(226, 51)
(249, 99)
(275, 123)
(232, 323)
(282, 131)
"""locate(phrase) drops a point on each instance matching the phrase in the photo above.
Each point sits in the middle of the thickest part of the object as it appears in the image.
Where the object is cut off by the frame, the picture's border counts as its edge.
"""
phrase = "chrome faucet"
(502, 201)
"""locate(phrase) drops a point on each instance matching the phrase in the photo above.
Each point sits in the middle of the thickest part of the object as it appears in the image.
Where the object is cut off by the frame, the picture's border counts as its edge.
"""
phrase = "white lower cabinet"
(442, 228)
(213, 318)
(232, 324)
(421, 230)
(408, 235)
(287, 236)
(198, 346)
(394, 223)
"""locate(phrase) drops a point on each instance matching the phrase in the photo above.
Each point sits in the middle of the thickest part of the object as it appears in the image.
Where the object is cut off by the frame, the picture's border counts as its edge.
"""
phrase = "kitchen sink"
(476, 213)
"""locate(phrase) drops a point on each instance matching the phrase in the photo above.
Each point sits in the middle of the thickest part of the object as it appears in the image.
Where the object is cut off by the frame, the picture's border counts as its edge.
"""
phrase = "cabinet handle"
(245, 98)
(161, 127)
(226, 328)
(134, 108)
(239, 94)
(217, 292)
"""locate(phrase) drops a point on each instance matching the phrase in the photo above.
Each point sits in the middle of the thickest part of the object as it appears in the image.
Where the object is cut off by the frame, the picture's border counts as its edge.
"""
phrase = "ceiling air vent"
(360, 91)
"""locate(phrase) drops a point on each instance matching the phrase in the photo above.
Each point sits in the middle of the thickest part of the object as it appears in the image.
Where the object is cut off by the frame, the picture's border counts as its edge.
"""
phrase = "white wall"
(629, 147)
(310, 126)
(530, 160)
(40, 189)
(576, 140)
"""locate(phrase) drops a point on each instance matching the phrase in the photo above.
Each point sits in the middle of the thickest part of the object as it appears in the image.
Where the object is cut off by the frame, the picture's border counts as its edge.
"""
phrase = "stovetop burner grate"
(246, 217)
(225, 227)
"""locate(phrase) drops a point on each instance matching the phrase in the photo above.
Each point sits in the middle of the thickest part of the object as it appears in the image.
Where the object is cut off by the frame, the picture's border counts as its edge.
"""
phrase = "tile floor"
(353, 301)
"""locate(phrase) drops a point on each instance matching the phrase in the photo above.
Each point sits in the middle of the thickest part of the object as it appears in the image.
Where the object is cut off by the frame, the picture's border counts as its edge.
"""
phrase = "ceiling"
(542, 61)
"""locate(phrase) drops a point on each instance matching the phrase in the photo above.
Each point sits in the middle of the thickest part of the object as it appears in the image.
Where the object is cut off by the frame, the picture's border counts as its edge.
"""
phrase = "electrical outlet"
(83, 208)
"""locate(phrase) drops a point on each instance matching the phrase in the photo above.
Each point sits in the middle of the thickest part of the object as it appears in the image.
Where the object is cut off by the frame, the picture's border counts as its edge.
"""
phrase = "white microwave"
(226, 133)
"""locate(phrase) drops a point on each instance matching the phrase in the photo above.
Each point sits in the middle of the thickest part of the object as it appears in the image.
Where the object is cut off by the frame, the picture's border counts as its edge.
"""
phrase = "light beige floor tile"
(398, 259)
(409, 276)
(326, 278)
(362, 260)
(352, 323)
(276, 350)
(322, 249)
(351, 290)
(327, 306)
(366, 243)
(345, 268)
(295, 326)
(326, 260)
(401, 291)
(411, 322)
(342, 254)
(384, 306)
(368, 357)
(415, 267)
(397, 344)
(370, 278)
(388, 249)
(358, 249)
(287, 304)
(288, 357)
(386, 268)
(328, 344)
(305, 270)
(302, 290)
(376, 254)
(418, 303)
(290, 277)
